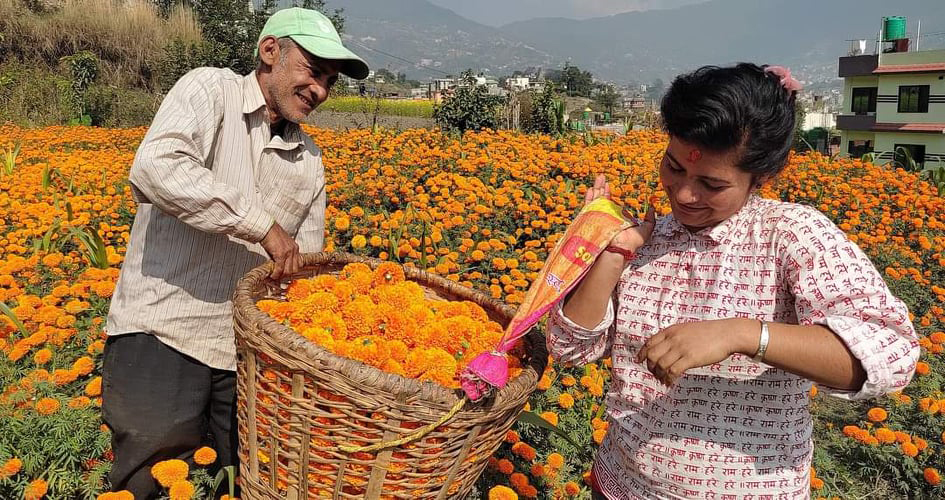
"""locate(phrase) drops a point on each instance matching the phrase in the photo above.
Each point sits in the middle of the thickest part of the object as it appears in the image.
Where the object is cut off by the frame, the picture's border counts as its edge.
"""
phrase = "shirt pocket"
(288, 185)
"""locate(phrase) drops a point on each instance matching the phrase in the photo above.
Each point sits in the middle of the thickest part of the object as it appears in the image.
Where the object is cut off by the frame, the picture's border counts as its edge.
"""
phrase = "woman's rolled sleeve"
(568, 342)
(836, 285)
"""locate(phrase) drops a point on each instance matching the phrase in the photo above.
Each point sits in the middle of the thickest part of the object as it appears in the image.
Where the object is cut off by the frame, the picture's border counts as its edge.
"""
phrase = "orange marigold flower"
(83, 366)
(922, 368)
(502, 493)
(599, 435)
(388, 273)
(551, 417)
(205, 456)
(538, 470)
(35, 490)
(523, 450)
(571, 488)
(42, 356)
(931, 476)
(94, 387)
(117, 495)
(555, 460)
(79, 402)
(181, 490)
(876, 414)
(885, 436)
(816, 483)
(342, 223)
(168, 472)
(937, 338)
(505, 466)
(910, 449)
(47, 406)
(10, 468)
(565, 400)
(512, 437)
(568, 381)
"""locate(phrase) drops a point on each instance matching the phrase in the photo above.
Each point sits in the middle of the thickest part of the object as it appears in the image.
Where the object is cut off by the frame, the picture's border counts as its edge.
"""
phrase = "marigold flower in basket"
(587, 236)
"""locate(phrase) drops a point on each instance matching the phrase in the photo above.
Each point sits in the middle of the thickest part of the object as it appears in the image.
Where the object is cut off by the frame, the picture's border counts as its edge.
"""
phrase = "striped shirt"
(210, 180)
(735, 429)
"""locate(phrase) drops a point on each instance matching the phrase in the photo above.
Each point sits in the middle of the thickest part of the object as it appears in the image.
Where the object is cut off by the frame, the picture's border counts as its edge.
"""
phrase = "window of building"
(864, 100)
(916, 151)
(857, 149)
(913, 98)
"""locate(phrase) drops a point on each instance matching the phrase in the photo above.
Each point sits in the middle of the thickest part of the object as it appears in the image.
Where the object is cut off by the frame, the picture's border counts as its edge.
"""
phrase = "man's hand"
(675, 349)
(283, 250)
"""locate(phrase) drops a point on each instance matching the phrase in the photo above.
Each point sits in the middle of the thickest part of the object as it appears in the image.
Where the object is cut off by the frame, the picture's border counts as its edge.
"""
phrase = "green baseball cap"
(315, 33)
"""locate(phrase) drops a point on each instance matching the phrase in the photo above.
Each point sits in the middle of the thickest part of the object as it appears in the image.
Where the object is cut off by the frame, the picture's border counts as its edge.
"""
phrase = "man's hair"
(286, 44)
(740, 107)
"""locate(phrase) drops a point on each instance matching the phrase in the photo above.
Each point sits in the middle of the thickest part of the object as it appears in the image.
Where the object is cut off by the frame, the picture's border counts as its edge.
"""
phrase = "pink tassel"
(487, 371)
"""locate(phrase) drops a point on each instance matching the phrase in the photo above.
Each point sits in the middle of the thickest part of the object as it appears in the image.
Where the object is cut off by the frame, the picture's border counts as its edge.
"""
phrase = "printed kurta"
(736, 429)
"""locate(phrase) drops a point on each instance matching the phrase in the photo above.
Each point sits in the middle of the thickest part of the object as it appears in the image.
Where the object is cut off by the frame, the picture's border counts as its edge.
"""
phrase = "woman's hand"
(675, 349)
(629, 239)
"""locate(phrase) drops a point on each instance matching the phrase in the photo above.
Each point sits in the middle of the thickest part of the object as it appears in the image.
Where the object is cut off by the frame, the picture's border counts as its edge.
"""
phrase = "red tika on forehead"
(695, 155)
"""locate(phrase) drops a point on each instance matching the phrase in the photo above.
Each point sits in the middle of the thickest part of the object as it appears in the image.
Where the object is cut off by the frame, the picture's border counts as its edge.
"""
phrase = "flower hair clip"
(787, 81)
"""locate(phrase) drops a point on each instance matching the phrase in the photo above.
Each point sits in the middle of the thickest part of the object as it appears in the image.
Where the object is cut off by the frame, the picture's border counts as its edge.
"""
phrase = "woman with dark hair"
(720, 316)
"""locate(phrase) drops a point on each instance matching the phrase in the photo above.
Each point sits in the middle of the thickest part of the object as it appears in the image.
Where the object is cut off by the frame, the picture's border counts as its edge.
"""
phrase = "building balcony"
(863, 65)
(856, 122)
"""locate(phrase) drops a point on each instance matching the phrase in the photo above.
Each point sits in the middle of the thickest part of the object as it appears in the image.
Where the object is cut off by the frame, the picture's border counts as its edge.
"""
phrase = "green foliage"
(547, 113)
(606, 97)
(390, 107)
(574, 81)
(469, 108)
(231, 30)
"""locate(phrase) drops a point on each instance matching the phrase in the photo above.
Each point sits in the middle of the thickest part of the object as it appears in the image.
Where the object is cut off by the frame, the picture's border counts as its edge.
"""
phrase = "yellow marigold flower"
(94, 387)
(35, 490)
(356, 212)
(555, 460)
(376, 241)
(47, 406)
(181, 490)
(205, 456)
(10, 468)
(565, 400)
(168, 472)
(502, 493)
(358, 242)
(876, 414)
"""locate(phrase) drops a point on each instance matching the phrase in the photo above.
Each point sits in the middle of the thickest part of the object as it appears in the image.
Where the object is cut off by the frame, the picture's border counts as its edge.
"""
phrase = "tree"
(547, 113)
(231, 29)
(607, 97)
(471, 107)
(574, 81)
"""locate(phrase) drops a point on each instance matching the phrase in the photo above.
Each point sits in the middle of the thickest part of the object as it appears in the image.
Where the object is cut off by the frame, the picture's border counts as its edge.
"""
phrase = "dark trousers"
(161, 404)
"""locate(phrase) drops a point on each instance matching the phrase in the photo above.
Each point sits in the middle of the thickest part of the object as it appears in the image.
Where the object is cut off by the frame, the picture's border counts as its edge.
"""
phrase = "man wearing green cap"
(224, 179)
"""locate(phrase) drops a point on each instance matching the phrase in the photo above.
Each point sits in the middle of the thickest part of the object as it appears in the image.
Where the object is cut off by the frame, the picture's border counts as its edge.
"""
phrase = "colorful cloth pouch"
(587, 236)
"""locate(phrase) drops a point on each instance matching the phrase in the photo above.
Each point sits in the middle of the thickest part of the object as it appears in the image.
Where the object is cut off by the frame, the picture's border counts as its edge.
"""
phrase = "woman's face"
(704, 188)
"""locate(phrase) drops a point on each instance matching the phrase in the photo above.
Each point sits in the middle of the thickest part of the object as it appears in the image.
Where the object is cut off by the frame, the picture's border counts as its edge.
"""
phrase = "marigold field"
(483, 210)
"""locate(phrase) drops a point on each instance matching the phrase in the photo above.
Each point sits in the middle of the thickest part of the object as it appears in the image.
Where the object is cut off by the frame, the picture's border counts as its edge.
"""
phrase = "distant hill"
(424, 40)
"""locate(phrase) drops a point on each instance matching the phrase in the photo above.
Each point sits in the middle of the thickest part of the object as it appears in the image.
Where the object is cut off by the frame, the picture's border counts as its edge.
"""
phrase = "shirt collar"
(253, 100)
(718, 232)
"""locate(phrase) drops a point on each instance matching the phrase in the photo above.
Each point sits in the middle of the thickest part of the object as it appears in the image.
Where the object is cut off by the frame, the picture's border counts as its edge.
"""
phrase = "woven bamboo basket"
(299, 405)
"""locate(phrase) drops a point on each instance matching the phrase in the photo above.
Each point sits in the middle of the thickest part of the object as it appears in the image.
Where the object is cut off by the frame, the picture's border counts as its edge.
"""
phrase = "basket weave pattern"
(299, 403)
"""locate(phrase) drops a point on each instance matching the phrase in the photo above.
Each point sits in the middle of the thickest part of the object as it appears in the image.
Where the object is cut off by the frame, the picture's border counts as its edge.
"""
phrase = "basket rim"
(309, 355)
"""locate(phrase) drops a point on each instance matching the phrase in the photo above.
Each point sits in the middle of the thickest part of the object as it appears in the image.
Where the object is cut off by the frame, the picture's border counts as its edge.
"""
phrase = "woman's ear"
(269, 50)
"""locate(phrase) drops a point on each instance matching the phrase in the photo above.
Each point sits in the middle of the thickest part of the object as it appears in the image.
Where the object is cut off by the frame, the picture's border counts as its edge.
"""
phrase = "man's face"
(299, 83)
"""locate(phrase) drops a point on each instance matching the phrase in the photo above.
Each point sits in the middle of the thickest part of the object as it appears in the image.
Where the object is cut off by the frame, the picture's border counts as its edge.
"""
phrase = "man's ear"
(269, 50)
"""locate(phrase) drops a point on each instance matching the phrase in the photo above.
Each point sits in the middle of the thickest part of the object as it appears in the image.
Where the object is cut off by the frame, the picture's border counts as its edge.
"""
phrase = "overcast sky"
(499, 12)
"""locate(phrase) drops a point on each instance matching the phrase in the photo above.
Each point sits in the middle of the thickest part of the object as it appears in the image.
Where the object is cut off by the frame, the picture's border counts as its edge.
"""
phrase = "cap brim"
(351, 64)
